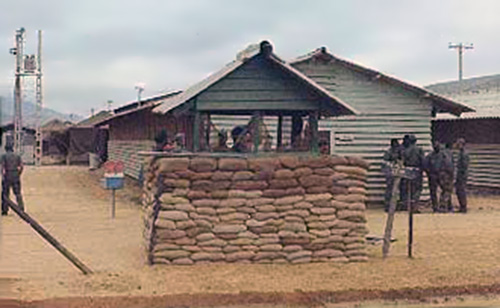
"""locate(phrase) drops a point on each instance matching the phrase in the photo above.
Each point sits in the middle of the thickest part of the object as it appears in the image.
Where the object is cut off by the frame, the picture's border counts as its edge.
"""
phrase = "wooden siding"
(484, 166)
(386, 111)
(126, 151)
(258, 85)
(483, 145)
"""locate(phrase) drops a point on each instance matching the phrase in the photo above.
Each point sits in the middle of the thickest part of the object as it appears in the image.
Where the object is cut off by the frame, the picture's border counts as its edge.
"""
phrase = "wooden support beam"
(256, 131)
(207, 132)
(279, 141)
(196, 128)
(49, 238)
(313, 126)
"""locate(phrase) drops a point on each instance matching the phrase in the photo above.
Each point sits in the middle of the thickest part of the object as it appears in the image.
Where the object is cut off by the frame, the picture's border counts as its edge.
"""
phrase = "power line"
(460, 47)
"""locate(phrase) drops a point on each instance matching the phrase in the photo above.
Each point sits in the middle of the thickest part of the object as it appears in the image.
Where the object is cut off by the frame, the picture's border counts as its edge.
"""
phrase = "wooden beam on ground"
(49, 238)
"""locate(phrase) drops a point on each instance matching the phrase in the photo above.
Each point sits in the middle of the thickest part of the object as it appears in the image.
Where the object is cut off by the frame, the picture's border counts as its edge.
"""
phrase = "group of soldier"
(440, 168)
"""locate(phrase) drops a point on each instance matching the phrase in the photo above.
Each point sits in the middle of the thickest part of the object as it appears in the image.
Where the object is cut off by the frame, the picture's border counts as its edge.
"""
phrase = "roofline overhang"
(445, 104)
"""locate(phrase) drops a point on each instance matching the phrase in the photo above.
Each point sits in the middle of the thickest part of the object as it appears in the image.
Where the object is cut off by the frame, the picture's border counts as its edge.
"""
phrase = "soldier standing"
(12, 167)
(391, 157)
(413, 157)
(403, 189)
(438, 166)
(461, 179)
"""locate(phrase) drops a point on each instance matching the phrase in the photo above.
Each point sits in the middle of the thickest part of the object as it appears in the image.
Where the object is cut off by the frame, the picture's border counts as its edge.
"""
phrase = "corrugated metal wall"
(484, 165)
(386, 111)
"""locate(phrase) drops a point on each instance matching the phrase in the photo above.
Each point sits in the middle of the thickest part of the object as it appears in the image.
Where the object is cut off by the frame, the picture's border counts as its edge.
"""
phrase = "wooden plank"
(257, 105)
(48, 237)
(257, 96)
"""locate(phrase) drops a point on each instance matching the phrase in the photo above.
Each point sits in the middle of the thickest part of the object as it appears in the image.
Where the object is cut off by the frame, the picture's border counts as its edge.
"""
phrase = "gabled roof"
(91, 121)
(136, 106)
(242, 57)
(442, 103)
(56, 125)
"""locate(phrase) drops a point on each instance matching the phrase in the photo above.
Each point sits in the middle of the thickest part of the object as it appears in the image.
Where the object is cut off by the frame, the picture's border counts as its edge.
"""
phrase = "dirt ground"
(456, 256)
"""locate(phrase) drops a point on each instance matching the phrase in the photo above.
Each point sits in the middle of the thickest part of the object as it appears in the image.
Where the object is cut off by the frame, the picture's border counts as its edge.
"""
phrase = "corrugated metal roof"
(136, 106)
(481, 93)
(444, 104)
(243, 57)
(91, 121)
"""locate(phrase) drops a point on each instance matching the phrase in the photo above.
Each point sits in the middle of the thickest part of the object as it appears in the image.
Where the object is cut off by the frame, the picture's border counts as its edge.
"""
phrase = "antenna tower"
(27, 65)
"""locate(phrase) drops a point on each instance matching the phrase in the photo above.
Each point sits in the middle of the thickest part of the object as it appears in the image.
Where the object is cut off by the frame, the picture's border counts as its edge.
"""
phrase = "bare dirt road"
(455, 254)
(69, 204)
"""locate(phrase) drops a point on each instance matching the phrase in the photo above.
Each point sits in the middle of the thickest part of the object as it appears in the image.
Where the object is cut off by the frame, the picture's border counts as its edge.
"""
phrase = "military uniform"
(439, 168)
(413, 156)
(461, 179)
(11, 165)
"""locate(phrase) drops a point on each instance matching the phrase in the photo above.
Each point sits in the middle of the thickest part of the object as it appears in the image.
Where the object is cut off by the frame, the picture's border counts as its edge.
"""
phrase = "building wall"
(258, 85)
(126, 151)
(483, 145)
(386, 111)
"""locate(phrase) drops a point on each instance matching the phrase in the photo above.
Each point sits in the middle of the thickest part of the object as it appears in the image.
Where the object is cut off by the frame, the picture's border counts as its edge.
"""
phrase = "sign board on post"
(399, 172)
(113, 180)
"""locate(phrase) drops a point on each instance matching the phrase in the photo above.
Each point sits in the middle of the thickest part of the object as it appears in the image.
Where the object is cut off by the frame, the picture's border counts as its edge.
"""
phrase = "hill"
(29, 112)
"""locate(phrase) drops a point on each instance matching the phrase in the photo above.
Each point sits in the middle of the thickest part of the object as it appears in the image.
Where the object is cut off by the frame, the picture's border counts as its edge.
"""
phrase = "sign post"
(399, 172)
(113, 180)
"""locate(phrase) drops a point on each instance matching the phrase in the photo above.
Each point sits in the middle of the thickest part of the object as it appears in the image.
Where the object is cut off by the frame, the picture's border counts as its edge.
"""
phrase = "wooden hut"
(480, 129)
(389, 108)
(133, 127)
(257, 84)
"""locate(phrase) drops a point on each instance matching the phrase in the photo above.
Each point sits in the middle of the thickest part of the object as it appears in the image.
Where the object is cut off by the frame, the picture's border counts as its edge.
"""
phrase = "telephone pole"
(460, 47)
(18, 51)
(27, 66)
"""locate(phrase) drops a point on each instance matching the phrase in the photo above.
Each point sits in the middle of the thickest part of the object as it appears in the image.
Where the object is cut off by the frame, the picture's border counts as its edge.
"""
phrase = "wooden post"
(196, 128)
(313, 126)
(390, 213)
(113, 207)
(279, 139)
(49, 238)
(207, 133)
(410, 219)
(256, 132)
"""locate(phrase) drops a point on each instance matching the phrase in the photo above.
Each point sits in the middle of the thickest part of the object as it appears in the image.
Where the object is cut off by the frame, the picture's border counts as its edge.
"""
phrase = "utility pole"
(18, 51)
(39, 103)
(460, 48)
(27, 66)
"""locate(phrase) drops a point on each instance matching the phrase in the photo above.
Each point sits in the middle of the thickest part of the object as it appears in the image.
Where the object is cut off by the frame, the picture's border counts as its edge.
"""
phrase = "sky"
(95, 51)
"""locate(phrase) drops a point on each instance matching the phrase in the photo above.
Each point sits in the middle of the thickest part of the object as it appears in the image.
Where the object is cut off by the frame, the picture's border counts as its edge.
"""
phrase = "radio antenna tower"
(27, 66)
(460, 47)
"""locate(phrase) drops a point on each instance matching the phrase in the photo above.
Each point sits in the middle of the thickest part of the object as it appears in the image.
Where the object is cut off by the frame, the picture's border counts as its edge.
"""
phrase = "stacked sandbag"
(283, 209)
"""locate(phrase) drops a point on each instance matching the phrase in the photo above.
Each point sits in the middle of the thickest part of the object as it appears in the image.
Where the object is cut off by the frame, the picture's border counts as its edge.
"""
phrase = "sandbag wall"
(285, 209)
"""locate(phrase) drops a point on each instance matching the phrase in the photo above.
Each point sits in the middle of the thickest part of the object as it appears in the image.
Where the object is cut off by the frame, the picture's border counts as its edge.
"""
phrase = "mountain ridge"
(29, 114)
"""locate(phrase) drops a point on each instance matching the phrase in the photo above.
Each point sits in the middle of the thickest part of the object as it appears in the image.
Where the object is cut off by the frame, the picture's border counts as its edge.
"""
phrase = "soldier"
(12, 167)
(402, 185)
(449, 151)
(413, 157)
(391, 157)
(439, 170)
(461, 179)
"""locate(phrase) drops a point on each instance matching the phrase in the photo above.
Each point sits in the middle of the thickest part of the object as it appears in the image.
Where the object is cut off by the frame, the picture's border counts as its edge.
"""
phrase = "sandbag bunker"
(202, 208)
